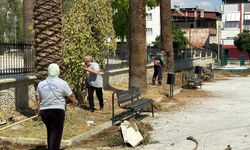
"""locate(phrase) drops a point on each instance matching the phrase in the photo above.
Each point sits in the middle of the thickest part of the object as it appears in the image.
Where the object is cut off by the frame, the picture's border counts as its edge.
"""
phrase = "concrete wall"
(15, 93)
(113, 77)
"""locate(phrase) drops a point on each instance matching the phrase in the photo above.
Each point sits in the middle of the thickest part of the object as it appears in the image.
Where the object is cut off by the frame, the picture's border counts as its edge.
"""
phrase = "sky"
(209, 5)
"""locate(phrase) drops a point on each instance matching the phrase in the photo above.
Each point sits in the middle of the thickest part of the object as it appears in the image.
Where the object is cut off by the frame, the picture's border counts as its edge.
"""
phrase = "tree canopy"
(179, 40)
(87, 30)
(11, 27)
(242, 41)
(120, 16)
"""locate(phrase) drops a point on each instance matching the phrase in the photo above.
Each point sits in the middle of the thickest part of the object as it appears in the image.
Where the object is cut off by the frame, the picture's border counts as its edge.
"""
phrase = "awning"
(233, 17)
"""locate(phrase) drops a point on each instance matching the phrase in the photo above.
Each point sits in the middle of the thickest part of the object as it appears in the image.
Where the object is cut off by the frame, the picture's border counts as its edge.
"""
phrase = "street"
(218, 121)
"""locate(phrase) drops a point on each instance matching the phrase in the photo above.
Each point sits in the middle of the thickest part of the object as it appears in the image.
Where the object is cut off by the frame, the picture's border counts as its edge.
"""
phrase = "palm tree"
(166, 32)
(28, 35)
(28, 21)
(137, 47)
(48, 35)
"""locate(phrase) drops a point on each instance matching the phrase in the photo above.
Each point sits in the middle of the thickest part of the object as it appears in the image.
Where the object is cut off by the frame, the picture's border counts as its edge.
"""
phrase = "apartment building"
(200, 26)
(153, 25)
(235, 19)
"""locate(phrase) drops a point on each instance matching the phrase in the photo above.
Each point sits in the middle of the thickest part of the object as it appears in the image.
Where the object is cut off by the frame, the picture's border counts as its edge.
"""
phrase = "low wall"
(113, 77)
(187, 64)
(16, 92)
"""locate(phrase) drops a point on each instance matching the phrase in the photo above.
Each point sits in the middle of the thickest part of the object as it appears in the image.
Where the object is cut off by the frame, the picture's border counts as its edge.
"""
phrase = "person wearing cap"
(50, 100)
(158, 67)
(94, 82)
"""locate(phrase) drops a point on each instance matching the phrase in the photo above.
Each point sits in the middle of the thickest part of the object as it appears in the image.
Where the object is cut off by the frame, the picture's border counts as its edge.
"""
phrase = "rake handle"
(16, 123)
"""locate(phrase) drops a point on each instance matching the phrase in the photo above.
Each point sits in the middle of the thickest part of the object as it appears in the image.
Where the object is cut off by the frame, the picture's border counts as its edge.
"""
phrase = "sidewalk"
(217, 122)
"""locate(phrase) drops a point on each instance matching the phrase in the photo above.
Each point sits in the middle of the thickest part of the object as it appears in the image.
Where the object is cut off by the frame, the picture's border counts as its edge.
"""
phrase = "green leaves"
(179, 40)
(87, 30)
(242, 41)
(120, 16)
(11, 18)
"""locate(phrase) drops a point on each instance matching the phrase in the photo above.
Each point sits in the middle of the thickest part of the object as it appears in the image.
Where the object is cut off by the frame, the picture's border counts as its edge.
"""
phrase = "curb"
(64, 143)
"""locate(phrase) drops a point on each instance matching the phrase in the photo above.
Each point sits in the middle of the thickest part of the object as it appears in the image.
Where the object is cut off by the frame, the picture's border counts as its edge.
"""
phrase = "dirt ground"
(76, 118)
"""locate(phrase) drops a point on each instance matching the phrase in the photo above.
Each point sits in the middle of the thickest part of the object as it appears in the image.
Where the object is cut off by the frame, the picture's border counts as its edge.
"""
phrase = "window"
(149, 31)
(231, 24)
(149, 17)
(247, 22)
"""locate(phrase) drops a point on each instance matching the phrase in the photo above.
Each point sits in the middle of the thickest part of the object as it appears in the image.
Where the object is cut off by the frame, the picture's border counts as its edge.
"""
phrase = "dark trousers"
(99, 95)
(54, 121)
(157, 72)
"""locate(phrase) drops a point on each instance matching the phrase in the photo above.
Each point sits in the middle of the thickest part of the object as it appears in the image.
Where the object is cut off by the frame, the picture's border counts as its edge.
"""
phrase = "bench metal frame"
(189, 78)
(130, 100)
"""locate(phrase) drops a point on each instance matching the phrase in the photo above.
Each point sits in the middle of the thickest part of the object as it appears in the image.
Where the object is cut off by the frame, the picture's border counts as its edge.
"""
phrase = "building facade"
(153, 25)
(200, 26)
(235, 19)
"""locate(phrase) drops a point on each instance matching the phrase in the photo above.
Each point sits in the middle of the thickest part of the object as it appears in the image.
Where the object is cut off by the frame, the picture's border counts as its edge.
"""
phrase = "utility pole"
(219, 42)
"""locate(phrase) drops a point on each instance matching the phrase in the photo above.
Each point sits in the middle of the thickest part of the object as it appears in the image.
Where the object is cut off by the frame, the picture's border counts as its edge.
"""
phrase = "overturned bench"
(130, 100)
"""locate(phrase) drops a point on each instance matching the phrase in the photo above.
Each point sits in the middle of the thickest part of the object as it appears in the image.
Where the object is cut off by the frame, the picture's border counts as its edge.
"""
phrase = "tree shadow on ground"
(189, 87)
(42, 148)
(128, 115)
(39, 148)
(28, 112)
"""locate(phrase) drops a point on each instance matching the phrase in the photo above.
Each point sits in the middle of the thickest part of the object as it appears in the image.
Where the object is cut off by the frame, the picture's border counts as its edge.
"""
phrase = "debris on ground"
(16, 127)
(15, 118)
(3, 122)
(131, 133)
(90, 122)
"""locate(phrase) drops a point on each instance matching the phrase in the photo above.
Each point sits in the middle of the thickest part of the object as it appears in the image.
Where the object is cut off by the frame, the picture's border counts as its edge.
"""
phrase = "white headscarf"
(53, 70)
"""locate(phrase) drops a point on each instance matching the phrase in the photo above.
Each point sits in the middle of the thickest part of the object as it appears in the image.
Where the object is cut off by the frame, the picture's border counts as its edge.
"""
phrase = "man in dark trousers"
(158, 67)
(94, 82)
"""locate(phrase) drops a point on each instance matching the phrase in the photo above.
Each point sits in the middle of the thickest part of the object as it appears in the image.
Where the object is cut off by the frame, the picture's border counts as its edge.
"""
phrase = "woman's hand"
(75, 103)
(73, 100)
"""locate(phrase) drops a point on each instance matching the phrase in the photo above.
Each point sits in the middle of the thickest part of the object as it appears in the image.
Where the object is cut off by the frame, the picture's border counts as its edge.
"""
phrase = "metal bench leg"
(152, 106)
(113, 108)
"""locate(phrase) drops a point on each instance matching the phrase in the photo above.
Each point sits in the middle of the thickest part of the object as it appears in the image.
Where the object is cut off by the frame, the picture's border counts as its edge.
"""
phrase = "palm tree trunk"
(28, 20)
(166, 32)
(137, 41)
(28, 35)
(48, 35)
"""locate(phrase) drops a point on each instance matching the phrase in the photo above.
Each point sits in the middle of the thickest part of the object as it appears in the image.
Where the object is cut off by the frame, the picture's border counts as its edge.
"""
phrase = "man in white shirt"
(94, 82)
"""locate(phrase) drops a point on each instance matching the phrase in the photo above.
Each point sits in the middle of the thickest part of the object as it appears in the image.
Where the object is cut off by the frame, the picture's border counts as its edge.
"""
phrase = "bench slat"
(124, 96)
(137, 103)
(130, 100)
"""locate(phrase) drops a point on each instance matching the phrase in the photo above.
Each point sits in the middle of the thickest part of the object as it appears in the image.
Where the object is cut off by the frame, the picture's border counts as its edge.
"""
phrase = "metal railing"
(16, 60)
(120, 59)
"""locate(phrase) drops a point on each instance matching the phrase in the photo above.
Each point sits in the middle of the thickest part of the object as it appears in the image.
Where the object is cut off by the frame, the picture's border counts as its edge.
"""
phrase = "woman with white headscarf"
(50, 98)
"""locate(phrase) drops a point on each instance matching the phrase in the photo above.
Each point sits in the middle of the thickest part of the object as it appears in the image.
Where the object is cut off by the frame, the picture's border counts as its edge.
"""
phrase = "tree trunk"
(28, 35)
(137, 48)
(166, 32)
(28, 20)
(48, 35)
